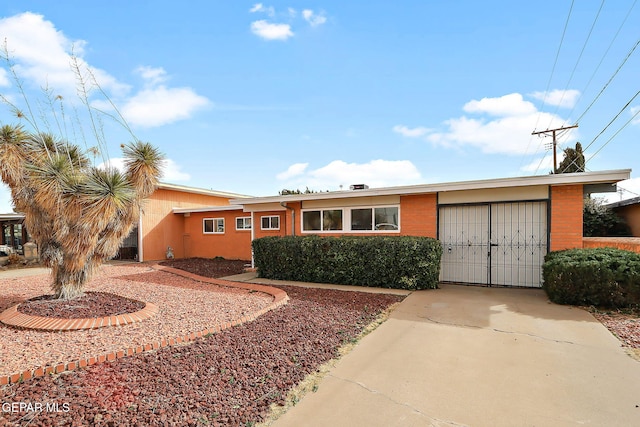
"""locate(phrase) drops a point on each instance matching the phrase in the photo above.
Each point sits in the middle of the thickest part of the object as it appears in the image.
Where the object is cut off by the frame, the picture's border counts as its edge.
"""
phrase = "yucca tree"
(77, 213)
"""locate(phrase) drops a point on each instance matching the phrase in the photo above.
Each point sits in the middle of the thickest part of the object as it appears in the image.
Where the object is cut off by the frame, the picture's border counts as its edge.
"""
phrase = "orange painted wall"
(285, 224)
(419, 215)
(233, 244)
(566, 217)
(161, 228)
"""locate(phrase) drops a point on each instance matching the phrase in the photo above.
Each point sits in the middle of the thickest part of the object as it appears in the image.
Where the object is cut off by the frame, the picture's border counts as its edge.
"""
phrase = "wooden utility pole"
(555, 142)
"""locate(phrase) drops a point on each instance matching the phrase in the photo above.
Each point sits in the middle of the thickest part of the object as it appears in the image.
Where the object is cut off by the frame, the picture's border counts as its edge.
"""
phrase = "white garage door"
(501, 244)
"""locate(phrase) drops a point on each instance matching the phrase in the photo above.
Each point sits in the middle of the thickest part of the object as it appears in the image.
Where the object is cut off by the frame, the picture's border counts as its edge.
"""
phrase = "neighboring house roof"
(621, 203)
(204, 191)
(11, 216)
(585, 178)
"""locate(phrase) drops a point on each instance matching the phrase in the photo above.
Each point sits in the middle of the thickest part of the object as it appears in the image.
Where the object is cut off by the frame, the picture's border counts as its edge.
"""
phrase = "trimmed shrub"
(602, 277)
(400, 262)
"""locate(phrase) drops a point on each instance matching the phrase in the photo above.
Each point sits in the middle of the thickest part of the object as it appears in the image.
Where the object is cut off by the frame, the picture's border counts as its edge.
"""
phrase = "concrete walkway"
(472, 356)
(13, 273)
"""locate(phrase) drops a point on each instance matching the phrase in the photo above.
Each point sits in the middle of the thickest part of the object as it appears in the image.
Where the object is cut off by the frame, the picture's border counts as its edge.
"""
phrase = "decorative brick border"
(280, 298)
(13, 317)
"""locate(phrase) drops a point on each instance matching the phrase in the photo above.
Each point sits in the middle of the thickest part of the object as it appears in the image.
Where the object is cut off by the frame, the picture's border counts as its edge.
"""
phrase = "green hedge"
(400, 262)
(602, 277)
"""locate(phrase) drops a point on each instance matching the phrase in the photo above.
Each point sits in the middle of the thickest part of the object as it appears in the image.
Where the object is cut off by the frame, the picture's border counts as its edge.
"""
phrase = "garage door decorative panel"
(464, 231)
(501, 244)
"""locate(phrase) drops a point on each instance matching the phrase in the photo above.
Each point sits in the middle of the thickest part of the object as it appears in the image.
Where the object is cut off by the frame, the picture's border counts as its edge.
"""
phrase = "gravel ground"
(91, 304)
(228, 378)
(185, 306)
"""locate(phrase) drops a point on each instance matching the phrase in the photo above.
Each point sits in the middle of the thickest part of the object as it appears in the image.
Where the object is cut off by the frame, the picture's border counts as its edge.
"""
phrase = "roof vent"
(359, 187)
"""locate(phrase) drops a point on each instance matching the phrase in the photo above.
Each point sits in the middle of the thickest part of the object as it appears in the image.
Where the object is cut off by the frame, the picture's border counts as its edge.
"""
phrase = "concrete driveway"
(472, 356)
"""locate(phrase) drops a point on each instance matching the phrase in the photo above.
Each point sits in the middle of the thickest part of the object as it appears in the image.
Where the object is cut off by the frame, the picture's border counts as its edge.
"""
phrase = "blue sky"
(251, 98)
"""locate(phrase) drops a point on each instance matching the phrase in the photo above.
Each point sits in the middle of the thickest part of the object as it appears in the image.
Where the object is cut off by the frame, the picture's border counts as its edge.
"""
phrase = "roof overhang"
(207, 209)
(586, 178)
(11, 217)
(204, 191)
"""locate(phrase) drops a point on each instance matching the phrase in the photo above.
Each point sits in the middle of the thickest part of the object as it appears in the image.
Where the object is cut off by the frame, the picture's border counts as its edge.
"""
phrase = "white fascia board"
(204, 191)
(207, 209)
(612, 176)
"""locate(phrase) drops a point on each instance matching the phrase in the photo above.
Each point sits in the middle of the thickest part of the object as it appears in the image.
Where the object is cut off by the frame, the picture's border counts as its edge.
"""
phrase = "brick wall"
(625, 243)
(566, 217)
(418, 215)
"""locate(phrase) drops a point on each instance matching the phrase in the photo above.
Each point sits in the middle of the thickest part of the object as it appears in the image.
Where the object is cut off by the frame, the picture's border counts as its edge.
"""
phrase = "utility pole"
(555, 142)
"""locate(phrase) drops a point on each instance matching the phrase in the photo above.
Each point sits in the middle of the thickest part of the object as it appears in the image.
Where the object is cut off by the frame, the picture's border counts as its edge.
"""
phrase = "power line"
(610, 79)
(613, 120)
(604, 55)
(575, 67)
(619, 130)
(544, 98)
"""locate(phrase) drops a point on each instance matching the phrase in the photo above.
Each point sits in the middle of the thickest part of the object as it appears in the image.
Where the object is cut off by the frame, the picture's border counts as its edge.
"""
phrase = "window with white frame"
(243, 223)
(322, 220)
(356, 219)
(213, 225)
(270, 222)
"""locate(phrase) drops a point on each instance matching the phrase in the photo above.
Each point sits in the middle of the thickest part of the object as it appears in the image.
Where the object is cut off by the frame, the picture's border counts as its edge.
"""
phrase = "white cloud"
(4, 78)
(152, 76)
(6, 203)
(494, 125)
(292, 12)
(507, 105)
(161, 105)
(411, 132)
(42, 55)
(293, 170)
(259, 7)
(312, 18)
(171, 171)
(542, 164)
(269, 31)
(635, 113)
(376, 173)
(559, 98)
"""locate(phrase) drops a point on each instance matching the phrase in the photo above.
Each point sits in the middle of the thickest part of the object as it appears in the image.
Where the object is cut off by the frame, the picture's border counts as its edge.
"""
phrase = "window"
(324, 220)
(374, 219)
(386, 218)
(270, 222)
(243, 223)
(360, 219)
(213, 225)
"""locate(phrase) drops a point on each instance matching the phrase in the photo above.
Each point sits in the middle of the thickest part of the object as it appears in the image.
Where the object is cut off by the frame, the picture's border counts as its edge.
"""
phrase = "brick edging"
(13, 317)
(280, 298)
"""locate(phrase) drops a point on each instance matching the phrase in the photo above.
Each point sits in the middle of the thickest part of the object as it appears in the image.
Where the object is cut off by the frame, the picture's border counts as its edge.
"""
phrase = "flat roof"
(204, 191)
(600, 177)
(207, 209)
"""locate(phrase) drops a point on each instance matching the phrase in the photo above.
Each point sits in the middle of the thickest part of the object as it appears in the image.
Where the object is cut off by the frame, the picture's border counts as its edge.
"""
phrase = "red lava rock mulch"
(228, 378)
(626, 327)
(91, 304)
(215, 268)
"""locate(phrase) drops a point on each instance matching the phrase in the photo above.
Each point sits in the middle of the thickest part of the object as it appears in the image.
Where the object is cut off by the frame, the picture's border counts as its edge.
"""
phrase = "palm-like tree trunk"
(78, 214)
